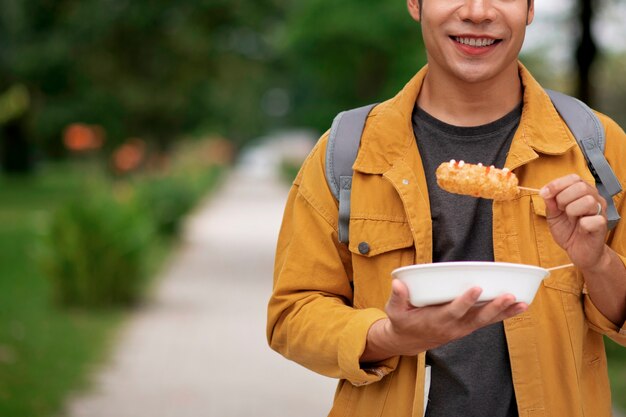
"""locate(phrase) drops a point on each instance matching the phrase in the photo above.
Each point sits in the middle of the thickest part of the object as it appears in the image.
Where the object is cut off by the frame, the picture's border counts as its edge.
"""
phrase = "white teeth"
(475, 42)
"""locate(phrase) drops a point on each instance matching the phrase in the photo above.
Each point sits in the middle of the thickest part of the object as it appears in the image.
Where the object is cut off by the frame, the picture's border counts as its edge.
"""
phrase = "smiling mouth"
(475, 42)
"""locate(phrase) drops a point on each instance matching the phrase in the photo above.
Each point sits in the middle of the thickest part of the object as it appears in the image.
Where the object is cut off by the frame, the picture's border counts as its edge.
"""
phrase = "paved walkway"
(199, 349)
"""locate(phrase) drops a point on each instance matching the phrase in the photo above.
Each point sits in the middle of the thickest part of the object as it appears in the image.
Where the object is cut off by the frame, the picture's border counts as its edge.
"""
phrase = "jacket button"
(364, 248)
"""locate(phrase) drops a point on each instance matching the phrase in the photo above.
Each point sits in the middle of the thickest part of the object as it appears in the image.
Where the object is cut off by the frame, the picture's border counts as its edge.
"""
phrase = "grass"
(45, 352)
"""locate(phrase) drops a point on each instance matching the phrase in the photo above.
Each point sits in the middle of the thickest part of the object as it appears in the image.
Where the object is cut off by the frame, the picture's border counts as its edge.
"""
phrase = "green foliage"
(13, 103)
(610, 94)
(149, 69)
(36, 340)
(165, 200)
(616, 356)
(156, 69)
(95, 252)
(289, 170)
(343, 54)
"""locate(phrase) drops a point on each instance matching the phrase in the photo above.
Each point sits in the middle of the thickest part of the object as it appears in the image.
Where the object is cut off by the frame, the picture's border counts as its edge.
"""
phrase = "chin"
(477, 73)
(473, 76)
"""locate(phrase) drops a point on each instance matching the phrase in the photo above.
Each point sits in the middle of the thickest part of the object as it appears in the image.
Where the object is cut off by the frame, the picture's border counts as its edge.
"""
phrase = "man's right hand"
(410, 330)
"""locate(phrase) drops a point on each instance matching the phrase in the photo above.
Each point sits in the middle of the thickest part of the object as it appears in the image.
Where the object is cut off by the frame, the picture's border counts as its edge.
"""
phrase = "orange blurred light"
(129, 156)
(79, 137)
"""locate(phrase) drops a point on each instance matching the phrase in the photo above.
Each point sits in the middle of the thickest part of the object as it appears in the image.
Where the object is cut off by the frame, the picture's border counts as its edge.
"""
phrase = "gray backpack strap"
(589, 133)
(341, 151)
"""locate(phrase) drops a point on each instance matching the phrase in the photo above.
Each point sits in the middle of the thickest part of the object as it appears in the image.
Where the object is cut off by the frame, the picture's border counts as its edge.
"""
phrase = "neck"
(462, 103)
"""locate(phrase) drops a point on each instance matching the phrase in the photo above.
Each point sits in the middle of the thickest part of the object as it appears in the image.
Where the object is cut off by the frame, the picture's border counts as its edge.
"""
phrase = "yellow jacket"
(326, 296)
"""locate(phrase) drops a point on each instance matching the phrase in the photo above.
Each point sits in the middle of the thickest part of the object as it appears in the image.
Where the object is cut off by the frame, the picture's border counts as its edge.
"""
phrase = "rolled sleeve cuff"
(599, 323)
(352, 346)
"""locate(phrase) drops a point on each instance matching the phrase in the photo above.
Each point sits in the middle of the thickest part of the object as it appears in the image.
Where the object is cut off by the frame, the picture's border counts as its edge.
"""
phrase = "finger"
(554, 187)
(490, 312)
(575, 192)
(584, 206)
(459, 307)
(563, 191)
(594, 224)
(551, 190)
(399, 299)
(513, 310)
(552, 209)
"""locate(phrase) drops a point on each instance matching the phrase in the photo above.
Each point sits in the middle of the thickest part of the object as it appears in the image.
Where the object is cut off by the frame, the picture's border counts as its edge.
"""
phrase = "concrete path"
(199, 348)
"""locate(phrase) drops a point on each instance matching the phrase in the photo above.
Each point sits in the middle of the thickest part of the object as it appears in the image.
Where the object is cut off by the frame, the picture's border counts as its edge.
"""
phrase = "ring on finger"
(599, 209)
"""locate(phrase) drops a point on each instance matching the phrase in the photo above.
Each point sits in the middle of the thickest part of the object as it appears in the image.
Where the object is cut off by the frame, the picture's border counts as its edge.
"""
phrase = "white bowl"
(442, 282)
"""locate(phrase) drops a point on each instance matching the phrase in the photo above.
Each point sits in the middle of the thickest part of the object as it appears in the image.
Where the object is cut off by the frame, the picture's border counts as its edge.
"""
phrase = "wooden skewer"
(536, 190)
(533, 190)
(554, 268)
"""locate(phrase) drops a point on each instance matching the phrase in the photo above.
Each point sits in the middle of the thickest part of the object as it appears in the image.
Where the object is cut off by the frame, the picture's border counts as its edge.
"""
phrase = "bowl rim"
(471, 264)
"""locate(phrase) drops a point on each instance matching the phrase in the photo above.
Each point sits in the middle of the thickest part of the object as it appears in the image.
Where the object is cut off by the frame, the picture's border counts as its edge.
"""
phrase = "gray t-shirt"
(470, 377)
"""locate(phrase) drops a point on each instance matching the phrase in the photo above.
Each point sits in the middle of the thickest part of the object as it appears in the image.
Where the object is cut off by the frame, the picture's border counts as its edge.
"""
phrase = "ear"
(531, 12)
(414, 9)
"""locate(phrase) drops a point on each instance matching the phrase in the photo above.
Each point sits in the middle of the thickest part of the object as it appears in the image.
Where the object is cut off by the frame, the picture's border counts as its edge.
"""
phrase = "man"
(334, 308)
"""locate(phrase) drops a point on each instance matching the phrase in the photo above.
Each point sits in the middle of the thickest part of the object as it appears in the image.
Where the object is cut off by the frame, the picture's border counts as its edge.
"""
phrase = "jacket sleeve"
(601, 324)
(615, 151)
(310, 315)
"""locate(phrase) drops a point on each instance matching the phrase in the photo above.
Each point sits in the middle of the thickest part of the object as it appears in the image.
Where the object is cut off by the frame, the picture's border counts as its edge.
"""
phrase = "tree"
(340, 55)
(150, 69)
(15, 148)
(586, 51)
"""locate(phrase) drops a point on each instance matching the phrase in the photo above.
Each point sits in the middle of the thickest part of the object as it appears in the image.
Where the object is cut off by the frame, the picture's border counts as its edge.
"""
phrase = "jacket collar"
(389, 130)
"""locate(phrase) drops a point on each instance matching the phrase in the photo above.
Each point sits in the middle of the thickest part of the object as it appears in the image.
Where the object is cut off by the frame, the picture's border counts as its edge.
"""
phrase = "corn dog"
(477, 180)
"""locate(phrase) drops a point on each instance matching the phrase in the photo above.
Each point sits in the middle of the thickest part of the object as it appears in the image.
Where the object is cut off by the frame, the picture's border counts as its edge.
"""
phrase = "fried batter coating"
(477, 180)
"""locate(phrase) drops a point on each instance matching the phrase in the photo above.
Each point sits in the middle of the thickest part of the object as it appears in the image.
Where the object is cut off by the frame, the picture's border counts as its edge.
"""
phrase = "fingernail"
(544, 192)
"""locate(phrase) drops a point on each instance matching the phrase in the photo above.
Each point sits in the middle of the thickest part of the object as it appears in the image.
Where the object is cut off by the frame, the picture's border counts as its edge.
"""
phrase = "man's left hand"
(575, 214)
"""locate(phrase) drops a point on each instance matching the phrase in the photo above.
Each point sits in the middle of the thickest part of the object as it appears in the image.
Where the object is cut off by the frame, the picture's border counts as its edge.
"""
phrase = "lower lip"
(475, 50)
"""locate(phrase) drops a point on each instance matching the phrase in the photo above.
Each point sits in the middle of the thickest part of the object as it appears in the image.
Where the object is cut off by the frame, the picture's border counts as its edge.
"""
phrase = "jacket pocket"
(378, 247)
(371, 237)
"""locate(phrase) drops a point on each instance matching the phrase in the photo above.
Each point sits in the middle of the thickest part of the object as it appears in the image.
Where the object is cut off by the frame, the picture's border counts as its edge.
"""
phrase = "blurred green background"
(117, 117)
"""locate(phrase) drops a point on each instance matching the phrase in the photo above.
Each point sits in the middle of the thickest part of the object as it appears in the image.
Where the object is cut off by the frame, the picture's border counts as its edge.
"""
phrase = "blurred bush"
(193, 168)
(289, 169)
(95, 252)
(166, 199)
(96, 249)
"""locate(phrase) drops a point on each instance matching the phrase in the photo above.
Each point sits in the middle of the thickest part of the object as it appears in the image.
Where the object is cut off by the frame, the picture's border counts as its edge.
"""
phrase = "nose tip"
(477, 11)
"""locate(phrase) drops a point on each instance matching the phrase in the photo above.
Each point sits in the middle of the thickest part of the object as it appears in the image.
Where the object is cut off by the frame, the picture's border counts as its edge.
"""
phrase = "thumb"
(399, 298)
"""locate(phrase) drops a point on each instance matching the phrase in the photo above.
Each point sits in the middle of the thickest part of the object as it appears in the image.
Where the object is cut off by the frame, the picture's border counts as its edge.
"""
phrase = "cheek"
(427, 38)
(431, 41)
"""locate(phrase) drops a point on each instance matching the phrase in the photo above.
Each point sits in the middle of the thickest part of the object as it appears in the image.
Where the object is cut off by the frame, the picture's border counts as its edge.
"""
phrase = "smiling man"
(335, 308)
